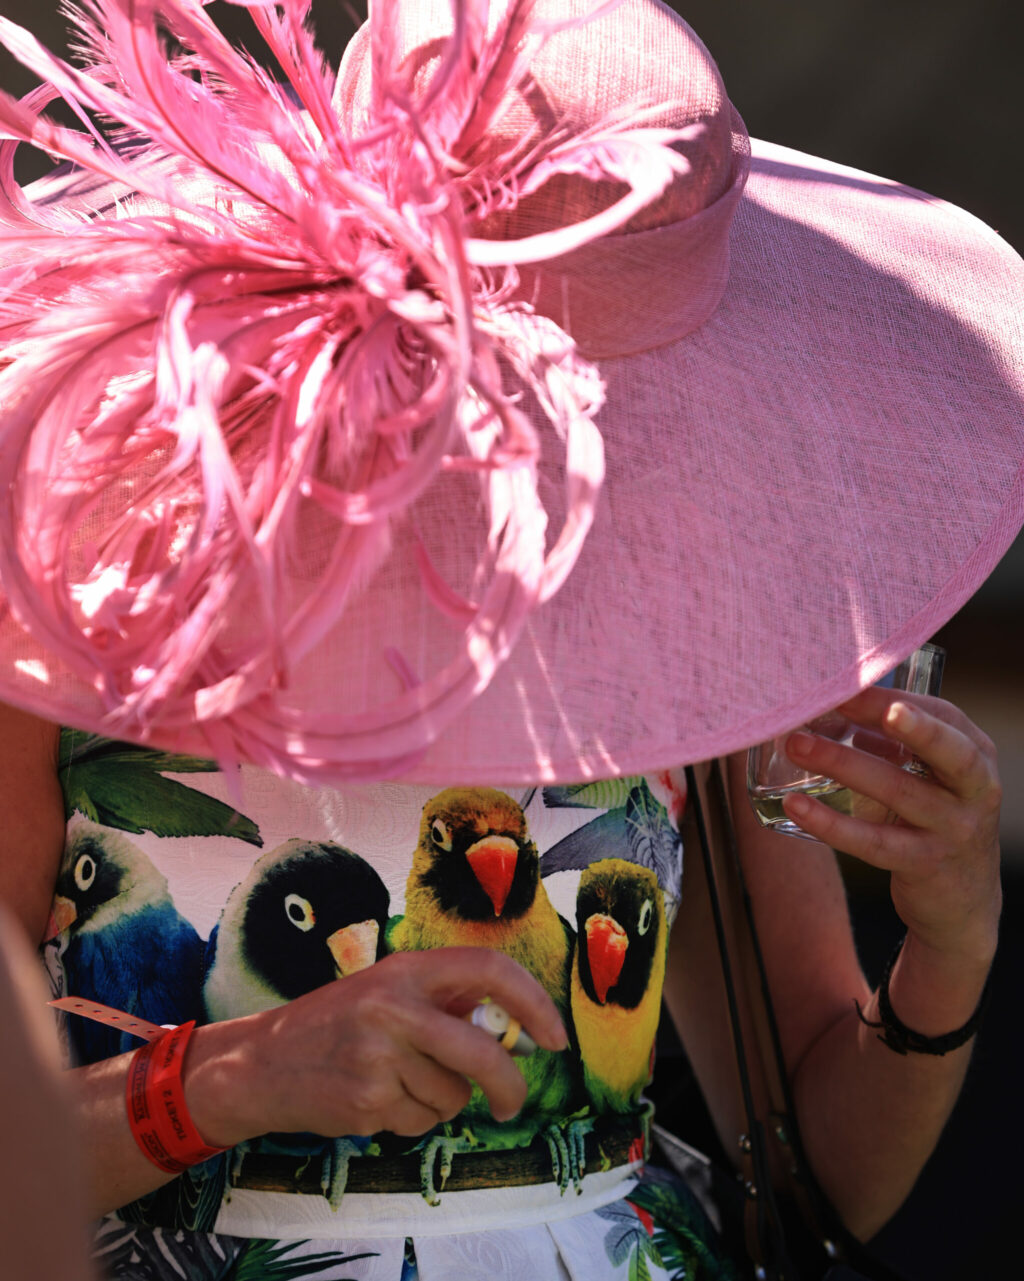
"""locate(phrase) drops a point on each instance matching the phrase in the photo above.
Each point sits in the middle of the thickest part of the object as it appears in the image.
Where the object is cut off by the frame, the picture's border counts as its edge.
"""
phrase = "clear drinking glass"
(771, 775)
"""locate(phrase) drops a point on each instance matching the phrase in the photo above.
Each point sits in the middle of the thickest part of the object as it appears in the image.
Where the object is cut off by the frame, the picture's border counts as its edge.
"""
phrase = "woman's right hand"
(388, 1048)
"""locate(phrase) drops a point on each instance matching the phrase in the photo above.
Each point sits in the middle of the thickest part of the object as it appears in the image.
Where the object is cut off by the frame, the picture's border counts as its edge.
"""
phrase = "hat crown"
(639, 56)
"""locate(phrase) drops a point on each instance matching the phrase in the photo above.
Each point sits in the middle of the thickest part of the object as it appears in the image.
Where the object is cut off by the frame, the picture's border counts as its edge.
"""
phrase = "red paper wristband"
(157, 1111)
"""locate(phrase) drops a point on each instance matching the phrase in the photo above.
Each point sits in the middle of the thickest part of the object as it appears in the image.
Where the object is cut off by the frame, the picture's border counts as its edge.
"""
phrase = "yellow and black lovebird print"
(617, 977)
(629, 860)
(475, 882)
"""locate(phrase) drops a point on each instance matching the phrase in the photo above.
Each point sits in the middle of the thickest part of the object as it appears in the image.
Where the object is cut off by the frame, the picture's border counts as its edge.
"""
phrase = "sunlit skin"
(869, 1118)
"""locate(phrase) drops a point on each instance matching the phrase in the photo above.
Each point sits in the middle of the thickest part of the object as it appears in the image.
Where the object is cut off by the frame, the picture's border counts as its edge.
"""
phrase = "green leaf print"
(263, 1260)
(638, 1269)
(626, 1240)
(603, 794)
(78, 745)
(123, 786)
(683, 1237)
(134, 1253)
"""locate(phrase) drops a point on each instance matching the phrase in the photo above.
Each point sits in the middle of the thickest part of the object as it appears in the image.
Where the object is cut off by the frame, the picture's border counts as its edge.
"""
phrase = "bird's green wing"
(392, 940)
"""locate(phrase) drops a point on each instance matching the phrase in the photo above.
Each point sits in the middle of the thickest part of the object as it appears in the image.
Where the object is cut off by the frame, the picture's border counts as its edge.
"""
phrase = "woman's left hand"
(943, 848)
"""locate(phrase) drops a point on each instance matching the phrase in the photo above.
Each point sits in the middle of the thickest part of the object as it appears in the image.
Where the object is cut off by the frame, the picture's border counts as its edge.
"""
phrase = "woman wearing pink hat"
(405, 474)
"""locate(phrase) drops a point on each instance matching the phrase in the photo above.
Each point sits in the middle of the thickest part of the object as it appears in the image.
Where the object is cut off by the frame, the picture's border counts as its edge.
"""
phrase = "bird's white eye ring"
(85, 871)
(300, 912)
(441, 834)
(646, 912)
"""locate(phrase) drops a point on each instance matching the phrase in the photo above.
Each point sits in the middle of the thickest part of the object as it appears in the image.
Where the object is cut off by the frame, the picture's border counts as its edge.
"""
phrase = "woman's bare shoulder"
(31, 815)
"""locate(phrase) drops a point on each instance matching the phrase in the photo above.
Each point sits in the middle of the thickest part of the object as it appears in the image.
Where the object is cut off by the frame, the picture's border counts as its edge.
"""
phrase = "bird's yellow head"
(476, 854)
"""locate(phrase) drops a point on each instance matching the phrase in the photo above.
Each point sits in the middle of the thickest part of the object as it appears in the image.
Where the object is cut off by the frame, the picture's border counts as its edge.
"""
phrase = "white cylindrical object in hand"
(491, 1018)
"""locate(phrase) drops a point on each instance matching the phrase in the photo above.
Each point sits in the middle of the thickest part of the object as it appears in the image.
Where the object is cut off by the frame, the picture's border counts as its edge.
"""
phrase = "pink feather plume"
(276, 314)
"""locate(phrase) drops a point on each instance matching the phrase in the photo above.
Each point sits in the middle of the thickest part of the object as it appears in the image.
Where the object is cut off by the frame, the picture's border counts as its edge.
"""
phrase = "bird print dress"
(188, 894)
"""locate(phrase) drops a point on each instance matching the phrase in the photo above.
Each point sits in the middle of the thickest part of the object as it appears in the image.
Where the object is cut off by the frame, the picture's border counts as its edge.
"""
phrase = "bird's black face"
(629, 899)
(461, 838)
(298, 904)
(90, 879)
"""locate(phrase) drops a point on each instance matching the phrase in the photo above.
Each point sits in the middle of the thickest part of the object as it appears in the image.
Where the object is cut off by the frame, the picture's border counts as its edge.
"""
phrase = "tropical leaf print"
(603, 794)
(124, 786)
(627, 1240)
(637, 828)
(263, 1260)
(141, 1254)
(683, 1237)
(602, 837)
(191, 1201)
(653, 841)
(138, 1254)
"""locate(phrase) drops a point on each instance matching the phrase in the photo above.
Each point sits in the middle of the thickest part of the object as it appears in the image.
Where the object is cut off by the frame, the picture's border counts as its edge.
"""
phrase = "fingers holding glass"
(774, 774)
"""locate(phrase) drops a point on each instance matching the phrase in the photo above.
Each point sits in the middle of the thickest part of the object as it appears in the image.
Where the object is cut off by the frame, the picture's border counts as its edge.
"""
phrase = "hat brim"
(799, 493)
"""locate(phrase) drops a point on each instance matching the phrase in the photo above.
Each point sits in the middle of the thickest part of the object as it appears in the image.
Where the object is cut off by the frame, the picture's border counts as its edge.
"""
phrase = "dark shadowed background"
(925, 91)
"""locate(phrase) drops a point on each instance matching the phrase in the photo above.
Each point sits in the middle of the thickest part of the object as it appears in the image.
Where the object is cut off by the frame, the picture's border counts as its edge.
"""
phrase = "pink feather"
(276, 313)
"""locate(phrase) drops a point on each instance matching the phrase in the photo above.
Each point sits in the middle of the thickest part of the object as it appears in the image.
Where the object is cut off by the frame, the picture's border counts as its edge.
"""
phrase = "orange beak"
(354, 948)
(606, 951)
(62, 917)
(493, 860)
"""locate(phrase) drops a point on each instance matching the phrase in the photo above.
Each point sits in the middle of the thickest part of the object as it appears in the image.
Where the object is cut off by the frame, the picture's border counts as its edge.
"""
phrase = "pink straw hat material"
(496, 411)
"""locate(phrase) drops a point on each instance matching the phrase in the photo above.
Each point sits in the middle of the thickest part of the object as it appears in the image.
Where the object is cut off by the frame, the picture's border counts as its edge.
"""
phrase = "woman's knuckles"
(902, 792)
(373, 1098)
(989, 801)
(876, 844)
(362, 1043)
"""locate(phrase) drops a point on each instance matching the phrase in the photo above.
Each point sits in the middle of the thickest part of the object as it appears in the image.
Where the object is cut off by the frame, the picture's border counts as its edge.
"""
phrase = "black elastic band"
(904, 1040)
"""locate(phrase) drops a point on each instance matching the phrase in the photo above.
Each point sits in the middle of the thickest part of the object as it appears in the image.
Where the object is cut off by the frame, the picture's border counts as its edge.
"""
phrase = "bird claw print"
(334, 1176)
(439, 1152)
(566, 1143)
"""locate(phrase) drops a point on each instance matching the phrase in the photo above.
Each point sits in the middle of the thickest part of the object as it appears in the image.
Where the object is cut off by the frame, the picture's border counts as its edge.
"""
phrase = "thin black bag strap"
(765, 1238)
(817, 1210)
(722, 863)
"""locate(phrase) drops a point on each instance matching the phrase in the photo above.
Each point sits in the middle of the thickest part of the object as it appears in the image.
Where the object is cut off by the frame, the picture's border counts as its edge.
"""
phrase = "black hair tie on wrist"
(897, 1036)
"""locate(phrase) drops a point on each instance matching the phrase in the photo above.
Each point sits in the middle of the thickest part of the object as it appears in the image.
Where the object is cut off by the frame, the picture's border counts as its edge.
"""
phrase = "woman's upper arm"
(803, 925)
(32, 832)
(805, 935)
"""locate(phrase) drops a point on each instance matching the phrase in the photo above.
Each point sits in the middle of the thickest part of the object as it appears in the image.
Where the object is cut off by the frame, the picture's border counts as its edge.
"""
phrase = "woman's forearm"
(116, 1169)
(871, 1117)
(385, 1048)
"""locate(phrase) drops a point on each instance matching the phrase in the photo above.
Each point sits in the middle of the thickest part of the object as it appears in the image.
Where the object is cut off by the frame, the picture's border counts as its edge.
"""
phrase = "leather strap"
(765, 1241)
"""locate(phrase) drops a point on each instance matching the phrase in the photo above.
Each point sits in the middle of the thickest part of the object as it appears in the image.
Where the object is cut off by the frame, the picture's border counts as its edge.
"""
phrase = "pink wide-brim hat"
(813, 428)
